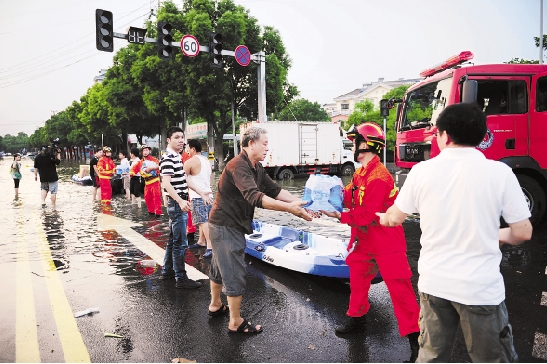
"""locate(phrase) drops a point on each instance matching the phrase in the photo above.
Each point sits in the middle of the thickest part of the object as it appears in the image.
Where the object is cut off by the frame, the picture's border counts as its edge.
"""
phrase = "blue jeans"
(178, 242)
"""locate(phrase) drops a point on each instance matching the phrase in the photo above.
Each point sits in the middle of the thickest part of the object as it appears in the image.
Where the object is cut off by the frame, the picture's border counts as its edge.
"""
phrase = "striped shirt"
(171, 165)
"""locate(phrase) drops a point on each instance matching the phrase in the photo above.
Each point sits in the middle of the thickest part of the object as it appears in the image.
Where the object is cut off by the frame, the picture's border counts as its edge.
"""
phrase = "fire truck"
(514, 98)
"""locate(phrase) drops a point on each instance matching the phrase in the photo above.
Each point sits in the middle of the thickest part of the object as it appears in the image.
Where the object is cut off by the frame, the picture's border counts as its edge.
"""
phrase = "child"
(15, 171)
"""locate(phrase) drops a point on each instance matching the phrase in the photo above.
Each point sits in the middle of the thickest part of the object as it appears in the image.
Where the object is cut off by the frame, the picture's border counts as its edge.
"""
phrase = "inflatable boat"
(85, 181)
(298, 250)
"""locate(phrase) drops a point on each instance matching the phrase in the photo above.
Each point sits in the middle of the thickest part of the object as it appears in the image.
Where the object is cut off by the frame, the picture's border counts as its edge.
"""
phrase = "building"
(100, 77)
(344, 105)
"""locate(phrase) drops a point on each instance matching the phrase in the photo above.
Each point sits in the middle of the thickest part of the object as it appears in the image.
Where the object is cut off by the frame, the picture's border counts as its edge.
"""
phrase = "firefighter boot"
(414, 346)
(351, 324)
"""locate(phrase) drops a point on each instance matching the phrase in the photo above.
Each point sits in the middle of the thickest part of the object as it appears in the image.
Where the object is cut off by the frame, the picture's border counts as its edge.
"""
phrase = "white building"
(344, 105)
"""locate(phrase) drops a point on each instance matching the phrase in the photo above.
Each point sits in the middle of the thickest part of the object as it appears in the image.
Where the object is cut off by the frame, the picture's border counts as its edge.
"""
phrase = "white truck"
(297, 147)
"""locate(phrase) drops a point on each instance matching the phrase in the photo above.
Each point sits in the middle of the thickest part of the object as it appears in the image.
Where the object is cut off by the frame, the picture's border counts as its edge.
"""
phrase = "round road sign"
(243, 56)
(189, 45)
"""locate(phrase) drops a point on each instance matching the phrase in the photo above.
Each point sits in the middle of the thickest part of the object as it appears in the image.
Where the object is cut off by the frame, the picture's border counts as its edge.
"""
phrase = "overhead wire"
(15, 82)
(39, 61)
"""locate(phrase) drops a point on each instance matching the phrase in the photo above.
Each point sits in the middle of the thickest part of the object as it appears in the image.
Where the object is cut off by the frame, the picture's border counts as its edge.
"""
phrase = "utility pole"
(540, 31)
(261, 69)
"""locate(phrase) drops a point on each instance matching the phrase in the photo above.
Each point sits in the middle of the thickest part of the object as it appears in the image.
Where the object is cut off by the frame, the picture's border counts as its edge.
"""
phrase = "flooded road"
(58, 261)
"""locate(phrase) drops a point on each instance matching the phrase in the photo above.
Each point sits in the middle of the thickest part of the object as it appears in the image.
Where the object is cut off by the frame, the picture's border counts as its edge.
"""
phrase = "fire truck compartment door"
(538, 119)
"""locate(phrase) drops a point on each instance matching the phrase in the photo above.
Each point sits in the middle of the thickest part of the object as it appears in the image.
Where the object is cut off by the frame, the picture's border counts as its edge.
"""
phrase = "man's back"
(460, 196)
(46, 168)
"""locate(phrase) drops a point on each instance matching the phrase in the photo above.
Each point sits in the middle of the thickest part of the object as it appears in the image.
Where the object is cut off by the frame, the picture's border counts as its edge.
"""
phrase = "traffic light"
(215, 50)
(104, 30)
(164, 40)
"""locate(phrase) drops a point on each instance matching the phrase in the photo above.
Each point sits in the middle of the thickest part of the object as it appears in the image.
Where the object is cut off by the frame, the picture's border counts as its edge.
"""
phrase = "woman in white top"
(198, 170)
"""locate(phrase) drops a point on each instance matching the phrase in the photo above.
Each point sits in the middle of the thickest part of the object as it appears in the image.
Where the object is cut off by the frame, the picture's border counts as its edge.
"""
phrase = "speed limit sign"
(189, 45)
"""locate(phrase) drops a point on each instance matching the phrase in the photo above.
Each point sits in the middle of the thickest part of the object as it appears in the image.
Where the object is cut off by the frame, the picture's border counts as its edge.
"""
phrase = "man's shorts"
(125, 180)
(96, 182)
(50, 186)
(228, 264)
(200, 211)
(135, 186)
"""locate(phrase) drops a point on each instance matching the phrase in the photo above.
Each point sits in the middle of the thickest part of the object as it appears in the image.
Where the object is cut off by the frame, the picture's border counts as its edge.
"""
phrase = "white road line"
(540, 346)
(543, 299)
(148, 247)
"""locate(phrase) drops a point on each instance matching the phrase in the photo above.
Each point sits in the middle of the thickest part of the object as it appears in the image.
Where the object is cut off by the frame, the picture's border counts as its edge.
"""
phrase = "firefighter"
(375, 247)
(106, 168)
(152, 188)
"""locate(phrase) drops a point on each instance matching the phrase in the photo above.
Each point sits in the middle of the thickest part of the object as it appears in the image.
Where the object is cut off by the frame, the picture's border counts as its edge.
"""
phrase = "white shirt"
(124, 163)
(202, 180)
(460, 196)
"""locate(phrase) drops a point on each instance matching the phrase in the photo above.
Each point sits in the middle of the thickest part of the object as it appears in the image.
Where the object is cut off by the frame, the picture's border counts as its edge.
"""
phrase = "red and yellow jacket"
(106, 167)
(372, 190)
(135, 168)
(148, 177)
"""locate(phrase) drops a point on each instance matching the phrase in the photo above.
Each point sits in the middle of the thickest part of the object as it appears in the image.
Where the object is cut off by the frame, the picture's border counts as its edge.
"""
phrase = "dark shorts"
(228, 264)
(95, 180)
(16, 182)
(135, 186)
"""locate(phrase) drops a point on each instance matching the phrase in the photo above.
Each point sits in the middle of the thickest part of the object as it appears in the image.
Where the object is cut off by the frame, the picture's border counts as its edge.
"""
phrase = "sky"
(49, 59)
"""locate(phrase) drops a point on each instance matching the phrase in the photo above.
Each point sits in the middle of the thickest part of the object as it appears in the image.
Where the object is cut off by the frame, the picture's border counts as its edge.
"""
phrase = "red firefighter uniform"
(152, 188)
(374, 246)
(190, 228)
(106, 168)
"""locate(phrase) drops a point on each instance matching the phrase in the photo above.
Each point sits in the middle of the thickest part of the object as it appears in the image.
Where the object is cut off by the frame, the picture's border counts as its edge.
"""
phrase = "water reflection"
(54, 230)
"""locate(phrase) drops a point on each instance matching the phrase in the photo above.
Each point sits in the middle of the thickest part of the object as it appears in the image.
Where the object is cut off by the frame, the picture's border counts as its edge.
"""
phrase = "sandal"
(246, 325)
(221, 311)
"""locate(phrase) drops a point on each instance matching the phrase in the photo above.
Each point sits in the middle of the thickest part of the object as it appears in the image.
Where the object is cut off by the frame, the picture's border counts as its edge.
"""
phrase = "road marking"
(148, 247)
(539, 349)
(543, 299)
(74, 349)
(26, 332)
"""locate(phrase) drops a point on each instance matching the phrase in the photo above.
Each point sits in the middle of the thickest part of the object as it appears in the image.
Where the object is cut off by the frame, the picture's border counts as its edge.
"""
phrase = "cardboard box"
(84, 171)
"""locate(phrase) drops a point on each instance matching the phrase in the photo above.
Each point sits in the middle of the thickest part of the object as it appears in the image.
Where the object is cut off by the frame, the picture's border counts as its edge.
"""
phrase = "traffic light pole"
(259, 58)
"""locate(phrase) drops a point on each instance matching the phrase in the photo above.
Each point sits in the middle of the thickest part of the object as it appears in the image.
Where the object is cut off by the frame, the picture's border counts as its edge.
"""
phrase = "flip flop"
(246, 325)
(221, 311)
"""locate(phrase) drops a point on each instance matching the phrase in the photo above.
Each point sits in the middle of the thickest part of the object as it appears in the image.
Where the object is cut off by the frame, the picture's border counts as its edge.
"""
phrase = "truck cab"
(514, 99)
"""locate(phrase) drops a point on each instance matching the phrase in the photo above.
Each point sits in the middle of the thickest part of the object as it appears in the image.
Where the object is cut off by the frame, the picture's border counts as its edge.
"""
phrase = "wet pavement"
(58, 261)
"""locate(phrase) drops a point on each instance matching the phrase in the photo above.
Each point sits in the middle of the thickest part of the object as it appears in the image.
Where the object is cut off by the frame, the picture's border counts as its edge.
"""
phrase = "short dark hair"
(194, 143)
(135, 151)
(464, 123)
(124, 152)
(172, 130)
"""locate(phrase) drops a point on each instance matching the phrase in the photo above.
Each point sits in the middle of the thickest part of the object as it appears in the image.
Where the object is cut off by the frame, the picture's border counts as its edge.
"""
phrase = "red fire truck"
(514, 98)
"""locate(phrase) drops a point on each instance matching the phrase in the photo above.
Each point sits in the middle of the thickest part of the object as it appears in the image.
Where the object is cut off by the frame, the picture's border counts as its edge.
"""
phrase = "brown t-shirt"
(240, 189)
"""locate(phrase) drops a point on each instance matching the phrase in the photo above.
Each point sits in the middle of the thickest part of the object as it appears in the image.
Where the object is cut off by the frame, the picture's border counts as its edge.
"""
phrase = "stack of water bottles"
(323, 192)
(147, 164)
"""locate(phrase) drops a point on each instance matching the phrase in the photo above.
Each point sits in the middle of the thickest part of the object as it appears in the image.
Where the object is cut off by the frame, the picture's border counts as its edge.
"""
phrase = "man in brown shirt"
(244, 185)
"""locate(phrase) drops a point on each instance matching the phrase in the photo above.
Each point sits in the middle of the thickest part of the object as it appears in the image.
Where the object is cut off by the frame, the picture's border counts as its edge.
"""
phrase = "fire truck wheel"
(285, 173)
(348, 170)
(535, 197)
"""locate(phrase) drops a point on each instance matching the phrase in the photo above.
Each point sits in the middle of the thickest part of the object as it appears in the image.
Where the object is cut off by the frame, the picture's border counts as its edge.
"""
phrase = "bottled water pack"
(323, 192)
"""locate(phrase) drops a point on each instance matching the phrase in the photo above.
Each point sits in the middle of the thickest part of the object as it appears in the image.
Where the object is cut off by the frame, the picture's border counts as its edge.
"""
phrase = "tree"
(365, 111)
(521, 61)
(303, 110)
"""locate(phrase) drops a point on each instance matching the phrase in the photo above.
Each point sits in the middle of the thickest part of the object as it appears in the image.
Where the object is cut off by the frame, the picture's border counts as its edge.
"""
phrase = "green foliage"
(364, 111)
(142, 94)
(536, 40)
(14, 143)
(521, 61)
(303, 110)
